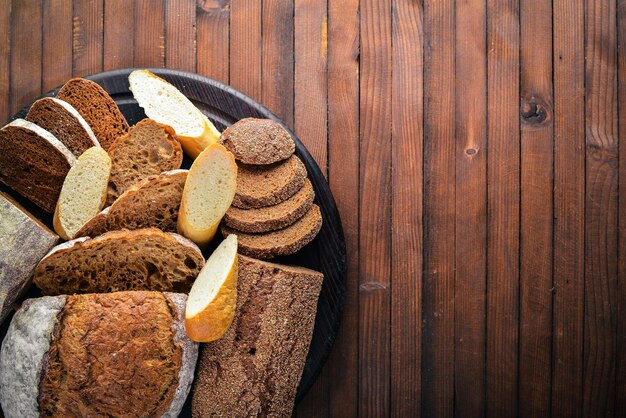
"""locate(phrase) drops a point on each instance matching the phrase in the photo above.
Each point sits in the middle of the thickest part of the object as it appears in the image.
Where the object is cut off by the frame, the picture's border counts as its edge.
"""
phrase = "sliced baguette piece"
(285, 241)
(145, 259)
(149, 148)
(84, 192)
(164, 103)
(63, 121)
(208, 193)
(96, 107)
(33, 162)
(258, 141)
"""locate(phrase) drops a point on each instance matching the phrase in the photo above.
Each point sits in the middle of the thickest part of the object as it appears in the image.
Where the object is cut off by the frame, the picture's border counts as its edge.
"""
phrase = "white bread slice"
(84, 192)
(208, 193)
(165, 104)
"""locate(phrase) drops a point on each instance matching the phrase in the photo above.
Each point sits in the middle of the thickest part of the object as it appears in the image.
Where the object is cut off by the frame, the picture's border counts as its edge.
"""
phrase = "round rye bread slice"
(258, 141)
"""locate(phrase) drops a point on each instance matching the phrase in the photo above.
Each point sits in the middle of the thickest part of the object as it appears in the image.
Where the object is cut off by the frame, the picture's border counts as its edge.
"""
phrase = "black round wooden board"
(224, 106)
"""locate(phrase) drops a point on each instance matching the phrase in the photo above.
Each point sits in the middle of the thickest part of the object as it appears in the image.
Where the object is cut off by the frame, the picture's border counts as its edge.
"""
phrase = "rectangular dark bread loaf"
(255, 368)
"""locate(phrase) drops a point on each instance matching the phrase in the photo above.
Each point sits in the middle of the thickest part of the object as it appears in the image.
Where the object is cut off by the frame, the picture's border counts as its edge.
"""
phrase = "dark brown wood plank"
(375, 208)
(149, 50)
(601, 209)
(471, 208)
(57, 43)
(87, 37)
(246, 47)
(180, 35)
(620, 373)
(407, 178)
(569, 207)
(503, 191)
(118, 34)
(5, 59)
(212, 32)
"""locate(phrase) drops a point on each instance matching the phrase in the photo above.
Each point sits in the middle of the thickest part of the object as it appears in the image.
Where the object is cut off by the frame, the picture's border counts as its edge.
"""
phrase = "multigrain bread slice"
(258, 141)
(271, 218)
(149, 148)
(33, 162)
(282, 242)
(153, 202)
(255, 368)
(116, 354)
(145, 259)
(266, 185)
(96, 107)
(63, 121)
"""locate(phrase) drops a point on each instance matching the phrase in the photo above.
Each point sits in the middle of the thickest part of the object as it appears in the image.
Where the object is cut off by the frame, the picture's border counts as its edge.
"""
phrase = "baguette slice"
(258, 141)
(166, 104)
(208, 193)
(84, 192)
(145, 259)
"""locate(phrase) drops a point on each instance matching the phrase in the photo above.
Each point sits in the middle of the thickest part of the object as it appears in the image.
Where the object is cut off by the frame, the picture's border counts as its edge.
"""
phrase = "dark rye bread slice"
(255, 368)
(258, 141)
(282, 242)
(149, 148)
(33, 162)
(153, 202)
(63, 121)
(145, 259)
(271, 218)
(96, 107)
(266, 185)
(116, 354)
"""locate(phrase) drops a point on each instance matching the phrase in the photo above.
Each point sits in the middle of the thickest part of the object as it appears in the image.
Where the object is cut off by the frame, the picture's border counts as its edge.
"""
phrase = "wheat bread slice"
(96, 107)
(63, 121)
(149, 148)
(258, 141)
(144, 259)
(33, 162)
(282, 242)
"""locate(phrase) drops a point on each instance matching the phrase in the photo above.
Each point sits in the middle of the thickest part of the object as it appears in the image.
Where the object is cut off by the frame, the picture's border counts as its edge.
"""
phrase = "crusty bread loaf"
(33, 162)
(117, 354)
(96, 107)
(153, 202)
(258, 141)
(149, 148)
(145, 259)
(24, 241)
(63, 121)
(255, 368)
(266, 185)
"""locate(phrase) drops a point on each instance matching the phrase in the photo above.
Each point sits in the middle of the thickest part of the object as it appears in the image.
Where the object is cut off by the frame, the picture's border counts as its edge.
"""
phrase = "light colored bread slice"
(271, 218)
(208, 193)
(149, 148)
(33, 162)
(267, 185)
(84, 192)
(145, 259)
(258, 141)
(63, 121)
(164, 103)
(282, 242)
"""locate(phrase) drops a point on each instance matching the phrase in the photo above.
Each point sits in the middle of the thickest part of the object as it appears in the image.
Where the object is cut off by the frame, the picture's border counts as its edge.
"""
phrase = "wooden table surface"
(473, 148)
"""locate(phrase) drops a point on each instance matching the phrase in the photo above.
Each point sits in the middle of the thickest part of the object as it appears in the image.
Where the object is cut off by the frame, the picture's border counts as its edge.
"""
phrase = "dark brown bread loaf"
(64, 122)
(96, 107)
(33, 162)
(258, 141)
(255, 368)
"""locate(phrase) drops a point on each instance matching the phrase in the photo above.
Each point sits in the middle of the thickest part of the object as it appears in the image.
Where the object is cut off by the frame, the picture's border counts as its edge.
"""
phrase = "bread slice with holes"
(258, 141)
(145, 259)
(33, 162)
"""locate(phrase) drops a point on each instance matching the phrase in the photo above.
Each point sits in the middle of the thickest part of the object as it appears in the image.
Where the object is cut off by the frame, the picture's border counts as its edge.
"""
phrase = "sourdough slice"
(271, 218)
(96, 107)
(266, 185)
(117, 354)
(258, 141)
(33, 162)
(63, 121)
(25, 240)
(145, 259)
(149, 148)
(282, 242)
(255, 368)
(153, 202)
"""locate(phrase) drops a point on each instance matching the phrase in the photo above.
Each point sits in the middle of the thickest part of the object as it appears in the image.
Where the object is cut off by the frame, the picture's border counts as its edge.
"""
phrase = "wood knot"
(470, 151)
(534, 111)
(213, 6)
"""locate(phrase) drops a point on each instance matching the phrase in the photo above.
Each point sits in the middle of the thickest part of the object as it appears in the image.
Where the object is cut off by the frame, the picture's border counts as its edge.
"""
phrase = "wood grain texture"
(5, 58)
(246, 47)
(212, 33)
(180, 27)
(57, 43)
(87, 37)
(118, 34)
(149, 50)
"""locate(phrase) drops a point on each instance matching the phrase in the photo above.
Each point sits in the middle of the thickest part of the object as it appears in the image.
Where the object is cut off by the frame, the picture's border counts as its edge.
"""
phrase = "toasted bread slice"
(166, 104)
(258, 141)
(84, 192)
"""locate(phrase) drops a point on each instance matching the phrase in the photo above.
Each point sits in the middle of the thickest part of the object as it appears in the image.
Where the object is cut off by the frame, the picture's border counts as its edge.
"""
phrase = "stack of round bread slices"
(273, 213)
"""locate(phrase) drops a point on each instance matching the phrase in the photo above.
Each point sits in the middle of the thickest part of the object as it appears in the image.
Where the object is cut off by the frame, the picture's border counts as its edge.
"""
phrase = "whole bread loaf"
(116, 354)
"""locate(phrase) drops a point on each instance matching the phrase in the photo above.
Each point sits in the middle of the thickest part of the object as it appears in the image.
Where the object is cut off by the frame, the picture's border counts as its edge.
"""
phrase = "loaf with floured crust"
(258, 141)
